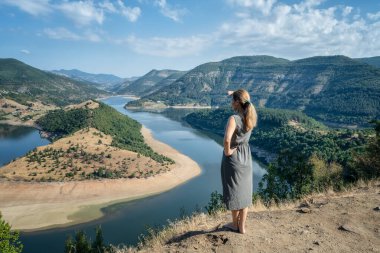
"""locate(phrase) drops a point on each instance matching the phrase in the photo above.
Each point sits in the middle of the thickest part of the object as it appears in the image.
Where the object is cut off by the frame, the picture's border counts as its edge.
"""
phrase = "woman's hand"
(229, 152)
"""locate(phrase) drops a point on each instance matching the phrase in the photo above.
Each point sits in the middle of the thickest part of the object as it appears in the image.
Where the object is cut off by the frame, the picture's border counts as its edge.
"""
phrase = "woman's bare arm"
(230, 129)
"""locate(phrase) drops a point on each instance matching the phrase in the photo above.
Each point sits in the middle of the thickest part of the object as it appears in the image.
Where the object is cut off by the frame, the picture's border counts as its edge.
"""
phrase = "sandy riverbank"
(34, 206)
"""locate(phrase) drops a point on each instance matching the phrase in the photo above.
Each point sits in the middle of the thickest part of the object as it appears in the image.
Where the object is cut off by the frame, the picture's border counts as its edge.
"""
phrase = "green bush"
(82, 244)
(367, 165)
(216, 203)
(9, 240)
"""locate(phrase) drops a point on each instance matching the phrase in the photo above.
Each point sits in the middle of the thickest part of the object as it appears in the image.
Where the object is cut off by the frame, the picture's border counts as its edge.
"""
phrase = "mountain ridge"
(324, 87)
(101, 81)
(145, 83)
(22, 83)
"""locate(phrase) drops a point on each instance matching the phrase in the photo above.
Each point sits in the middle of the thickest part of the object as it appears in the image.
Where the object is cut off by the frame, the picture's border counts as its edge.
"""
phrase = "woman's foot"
(241, 230)
(231, 226)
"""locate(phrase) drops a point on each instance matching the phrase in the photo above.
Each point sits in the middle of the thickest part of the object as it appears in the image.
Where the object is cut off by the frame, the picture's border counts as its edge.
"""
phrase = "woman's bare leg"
(242, 218)
(235, 218)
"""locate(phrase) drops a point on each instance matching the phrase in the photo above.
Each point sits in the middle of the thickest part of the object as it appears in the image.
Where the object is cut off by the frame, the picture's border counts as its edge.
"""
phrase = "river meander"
(124, 222)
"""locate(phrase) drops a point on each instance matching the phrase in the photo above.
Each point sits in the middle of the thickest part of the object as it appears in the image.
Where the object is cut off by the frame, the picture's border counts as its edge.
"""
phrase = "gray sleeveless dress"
(236, 169)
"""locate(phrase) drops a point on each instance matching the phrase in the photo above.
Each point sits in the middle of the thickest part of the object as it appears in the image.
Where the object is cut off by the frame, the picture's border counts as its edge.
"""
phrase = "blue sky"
(131, 37)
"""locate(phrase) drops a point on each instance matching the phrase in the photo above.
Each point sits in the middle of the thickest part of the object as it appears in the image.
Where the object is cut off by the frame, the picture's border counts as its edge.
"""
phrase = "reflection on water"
(16, 141)
(124, 222)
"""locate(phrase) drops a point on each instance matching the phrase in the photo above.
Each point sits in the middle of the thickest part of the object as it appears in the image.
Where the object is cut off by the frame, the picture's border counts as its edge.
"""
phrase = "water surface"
(16, 141)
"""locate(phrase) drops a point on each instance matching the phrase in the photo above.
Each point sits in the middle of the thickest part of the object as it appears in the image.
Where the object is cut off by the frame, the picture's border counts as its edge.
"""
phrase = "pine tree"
(81, 243)
(9, 240)
(98, 244)
(69, 245)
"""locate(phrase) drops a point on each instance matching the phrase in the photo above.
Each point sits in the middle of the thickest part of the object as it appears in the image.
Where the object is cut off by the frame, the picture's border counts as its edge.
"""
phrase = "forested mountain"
(22, 83)
(164, 82)
(330, 88)
(147, 82)
(123, 85)
(374, 61)
(101, 81)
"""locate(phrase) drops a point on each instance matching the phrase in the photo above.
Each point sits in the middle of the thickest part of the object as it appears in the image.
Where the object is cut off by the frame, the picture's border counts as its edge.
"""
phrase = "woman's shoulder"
(238, 119)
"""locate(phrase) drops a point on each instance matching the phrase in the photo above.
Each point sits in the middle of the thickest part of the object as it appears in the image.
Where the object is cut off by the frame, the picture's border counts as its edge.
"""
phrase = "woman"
(236, 168)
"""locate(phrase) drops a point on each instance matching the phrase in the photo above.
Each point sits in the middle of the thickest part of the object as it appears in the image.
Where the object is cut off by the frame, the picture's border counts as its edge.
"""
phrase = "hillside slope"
(374, 61)
(330, 88)
(100, 81)
(332, 222)
(140, 86)
(24, 83)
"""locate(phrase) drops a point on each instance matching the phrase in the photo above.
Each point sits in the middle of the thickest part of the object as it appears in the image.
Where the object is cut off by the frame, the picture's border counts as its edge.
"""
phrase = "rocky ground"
(334, 222)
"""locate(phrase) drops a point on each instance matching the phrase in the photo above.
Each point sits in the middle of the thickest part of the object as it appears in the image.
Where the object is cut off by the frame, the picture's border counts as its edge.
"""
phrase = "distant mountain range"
(150, 82)
(101, 81)
(22, 83)
(334, 89)
(329, 88)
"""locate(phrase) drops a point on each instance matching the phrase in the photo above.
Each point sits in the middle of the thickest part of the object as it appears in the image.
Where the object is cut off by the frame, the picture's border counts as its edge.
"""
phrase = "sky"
(130, 37)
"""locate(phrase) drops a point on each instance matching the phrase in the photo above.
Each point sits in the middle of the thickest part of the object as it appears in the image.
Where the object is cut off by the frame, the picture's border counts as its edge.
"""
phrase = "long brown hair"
(246, 107)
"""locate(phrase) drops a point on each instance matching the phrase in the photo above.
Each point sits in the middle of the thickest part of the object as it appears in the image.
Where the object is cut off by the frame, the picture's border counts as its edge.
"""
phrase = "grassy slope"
(333, 88)
(124, 130)
(22, 83)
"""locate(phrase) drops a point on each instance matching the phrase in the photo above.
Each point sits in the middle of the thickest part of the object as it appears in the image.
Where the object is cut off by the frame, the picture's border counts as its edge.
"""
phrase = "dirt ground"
(333, 222)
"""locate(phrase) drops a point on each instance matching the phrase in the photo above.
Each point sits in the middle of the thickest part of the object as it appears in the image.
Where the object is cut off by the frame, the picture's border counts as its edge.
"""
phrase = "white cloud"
(61, 33)
(168, 47)
(264, 6)
(108, 6)
(25, 51)
(169, 11)
(374, 16)
(91, 36)
(33, 7)
(131, 13)
(82, 12)
(347, 10)
(301, 30)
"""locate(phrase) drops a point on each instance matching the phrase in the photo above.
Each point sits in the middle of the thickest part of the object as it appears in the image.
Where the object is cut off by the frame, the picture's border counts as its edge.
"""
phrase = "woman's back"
(240, 136)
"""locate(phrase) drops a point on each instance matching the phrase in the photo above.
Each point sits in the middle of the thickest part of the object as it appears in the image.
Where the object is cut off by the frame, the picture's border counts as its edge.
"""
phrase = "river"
(124, 222)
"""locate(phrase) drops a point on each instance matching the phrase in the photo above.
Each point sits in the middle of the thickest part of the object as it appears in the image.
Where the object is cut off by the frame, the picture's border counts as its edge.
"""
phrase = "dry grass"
(79, 155)
(18, 114)
(175, 231)
(155, 240)
(89, 104)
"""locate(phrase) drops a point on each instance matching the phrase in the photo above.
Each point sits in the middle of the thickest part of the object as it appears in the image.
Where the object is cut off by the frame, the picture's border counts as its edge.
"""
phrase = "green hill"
(164, 82)
(147, 83)
(374, 61)
(22, 83)
(124, 130)
(330, 88)
(101, 81)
